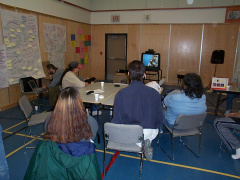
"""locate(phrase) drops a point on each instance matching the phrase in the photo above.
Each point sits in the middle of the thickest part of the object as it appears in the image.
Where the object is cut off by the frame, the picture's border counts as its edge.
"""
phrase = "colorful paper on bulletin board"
(86, 37)
(77, 49)
(72, 37)
(80, 31)
(85, 49)
(73, 43)
(86, 43)
(82, 44)
(89, 37)
(85, 55)
(89, 43)
(85, 61)
(82, 37)
(82, 54)
(82, 61)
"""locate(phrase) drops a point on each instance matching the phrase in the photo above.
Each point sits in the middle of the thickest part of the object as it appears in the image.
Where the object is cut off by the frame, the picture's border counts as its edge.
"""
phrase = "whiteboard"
(20, 35)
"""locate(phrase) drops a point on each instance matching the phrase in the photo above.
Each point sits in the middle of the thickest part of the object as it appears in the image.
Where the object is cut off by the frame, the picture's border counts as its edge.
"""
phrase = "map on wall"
(55, 43)
(3, 68)
(20, 35)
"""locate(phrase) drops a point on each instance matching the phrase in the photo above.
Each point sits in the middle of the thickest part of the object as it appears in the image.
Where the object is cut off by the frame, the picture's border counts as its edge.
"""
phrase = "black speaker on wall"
(218, 57)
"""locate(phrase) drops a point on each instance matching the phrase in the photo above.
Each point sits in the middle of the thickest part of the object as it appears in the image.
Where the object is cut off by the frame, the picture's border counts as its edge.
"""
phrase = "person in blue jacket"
(4, 174)
(191, 100)
(69, 152)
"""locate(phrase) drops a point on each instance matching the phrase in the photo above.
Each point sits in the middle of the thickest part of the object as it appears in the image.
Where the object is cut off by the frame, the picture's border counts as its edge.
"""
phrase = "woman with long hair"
(69, 152)
(191, 100)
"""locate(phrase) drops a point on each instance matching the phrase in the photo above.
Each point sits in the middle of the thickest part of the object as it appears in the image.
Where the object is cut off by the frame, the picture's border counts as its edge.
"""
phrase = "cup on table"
(36, 108)
(102, 83)
(96, 97)
(228, 87)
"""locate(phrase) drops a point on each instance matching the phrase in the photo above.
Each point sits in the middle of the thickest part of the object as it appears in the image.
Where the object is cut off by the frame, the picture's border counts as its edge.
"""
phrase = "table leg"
(218, 103)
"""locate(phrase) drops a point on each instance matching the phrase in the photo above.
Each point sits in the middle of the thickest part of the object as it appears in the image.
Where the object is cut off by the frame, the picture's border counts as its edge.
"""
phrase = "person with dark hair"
(55, 75)
(191, 100)
(69, 78)
(140, 105)
(69, 152)
(224, 127)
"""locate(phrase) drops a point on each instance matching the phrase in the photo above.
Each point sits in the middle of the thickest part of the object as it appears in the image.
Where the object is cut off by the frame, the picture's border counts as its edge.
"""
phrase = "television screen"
(151, 61)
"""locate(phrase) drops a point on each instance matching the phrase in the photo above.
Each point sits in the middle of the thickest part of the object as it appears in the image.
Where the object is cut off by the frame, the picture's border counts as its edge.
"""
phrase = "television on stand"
(151, 60)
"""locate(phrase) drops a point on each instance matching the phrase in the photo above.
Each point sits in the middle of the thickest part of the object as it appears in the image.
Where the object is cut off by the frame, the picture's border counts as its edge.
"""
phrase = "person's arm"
(236, 115)
(117, 116)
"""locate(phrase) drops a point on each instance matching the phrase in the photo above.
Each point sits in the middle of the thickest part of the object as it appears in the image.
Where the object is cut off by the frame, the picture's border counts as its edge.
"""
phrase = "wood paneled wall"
(183, 47)
(10, 96)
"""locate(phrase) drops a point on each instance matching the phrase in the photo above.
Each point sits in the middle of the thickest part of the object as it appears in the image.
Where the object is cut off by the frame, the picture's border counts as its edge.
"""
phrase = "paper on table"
(97, 91)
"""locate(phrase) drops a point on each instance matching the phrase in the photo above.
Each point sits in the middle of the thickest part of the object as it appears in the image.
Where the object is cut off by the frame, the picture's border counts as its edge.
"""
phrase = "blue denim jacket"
(178, 103)
(4, 174)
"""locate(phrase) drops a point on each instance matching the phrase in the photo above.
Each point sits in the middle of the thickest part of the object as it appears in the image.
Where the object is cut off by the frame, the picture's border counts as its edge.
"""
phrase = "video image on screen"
(150, 60)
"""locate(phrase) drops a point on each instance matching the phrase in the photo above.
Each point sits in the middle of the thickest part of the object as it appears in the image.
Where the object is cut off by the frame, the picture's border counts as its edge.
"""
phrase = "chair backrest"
(189, 121)
(25, 87)
(123, 133)
(25, 106)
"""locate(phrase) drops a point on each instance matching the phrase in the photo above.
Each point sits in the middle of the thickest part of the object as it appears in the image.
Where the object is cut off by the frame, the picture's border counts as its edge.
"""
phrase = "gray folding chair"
(34, 119)
(123, 137)
(185, 125)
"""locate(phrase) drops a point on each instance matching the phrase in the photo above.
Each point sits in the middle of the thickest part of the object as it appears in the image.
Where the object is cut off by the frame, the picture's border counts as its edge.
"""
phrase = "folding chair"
(34, 119)
(186, 125)
(123, 137)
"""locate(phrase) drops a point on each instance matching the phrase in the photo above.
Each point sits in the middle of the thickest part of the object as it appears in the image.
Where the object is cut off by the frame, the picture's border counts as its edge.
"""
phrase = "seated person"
(140, 105)
(4, 174)
(235, 81)
(223, 127)
(189, 101)
(69, 78)
(68, 152)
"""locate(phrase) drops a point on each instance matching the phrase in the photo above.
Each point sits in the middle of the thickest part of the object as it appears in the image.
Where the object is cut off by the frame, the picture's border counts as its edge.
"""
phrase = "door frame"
(106, 50)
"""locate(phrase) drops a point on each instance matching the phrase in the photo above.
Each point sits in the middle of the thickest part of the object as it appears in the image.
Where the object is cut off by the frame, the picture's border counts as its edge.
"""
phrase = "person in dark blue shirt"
(139, 105)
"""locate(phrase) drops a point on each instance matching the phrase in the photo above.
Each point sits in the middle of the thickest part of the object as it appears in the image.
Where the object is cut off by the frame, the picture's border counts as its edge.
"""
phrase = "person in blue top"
(191, 100)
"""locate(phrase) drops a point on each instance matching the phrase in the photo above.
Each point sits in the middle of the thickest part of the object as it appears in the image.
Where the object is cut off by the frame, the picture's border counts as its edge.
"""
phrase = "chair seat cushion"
(124, 147)
(183, 132)
(38, 118)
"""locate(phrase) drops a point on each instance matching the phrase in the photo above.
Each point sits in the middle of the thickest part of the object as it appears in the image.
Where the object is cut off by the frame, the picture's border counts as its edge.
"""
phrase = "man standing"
(140, 105)
(55, 75)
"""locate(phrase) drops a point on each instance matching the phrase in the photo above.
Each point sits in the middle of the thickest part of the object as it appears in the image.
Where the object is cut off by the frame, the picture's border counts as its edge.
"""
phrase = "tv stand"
(151, 74)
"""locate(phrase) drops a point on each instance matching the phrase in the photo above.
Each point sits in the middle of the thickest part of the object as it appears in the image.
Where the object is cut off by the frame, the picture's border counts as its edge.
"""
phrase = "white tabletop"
(109, 92)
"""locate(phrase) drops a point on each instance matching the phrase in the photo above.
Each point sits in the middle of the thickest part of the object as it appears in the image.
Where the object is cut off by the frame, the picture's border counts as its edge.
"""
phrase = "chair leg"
(158, 143)
(141, 166)
(25, 137)
(172, 147)
(197, 155)
(104, 154)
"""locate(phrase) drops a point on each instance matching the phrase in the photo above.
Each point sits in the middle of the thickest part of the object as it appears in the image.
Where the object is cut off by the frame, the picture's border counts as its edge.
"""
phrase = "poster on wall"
(20, 35)
(55, 43)
(3, 68)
